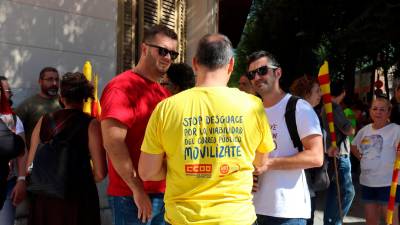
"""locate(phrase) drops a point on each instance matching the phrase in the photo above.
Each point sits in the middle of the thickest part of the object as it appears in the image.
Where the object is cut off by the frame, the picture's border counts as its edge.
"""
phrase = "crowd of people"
(181, 147)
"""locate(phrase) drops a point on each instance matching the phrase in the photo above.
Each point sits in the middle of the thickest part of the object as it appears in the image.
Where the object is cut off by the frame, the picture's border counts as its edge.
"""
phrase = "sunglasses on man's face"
(163, 51)
(262, 71)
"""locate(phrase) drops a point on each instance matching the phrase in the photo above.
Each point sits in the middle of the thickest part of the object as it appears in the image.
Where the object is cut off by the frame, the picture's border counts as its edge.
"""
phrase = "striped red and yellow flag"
(87, 71)
(96, 109)
(393, 188)
(92, 107)
(324, 82)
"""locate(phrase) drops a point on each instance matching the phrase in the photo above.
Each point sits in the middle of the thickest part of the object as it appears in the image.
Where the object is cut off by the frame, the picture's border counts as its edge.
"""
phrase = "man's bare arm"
(114, 134)
(152, 166)
(311, 156)
(260, 162)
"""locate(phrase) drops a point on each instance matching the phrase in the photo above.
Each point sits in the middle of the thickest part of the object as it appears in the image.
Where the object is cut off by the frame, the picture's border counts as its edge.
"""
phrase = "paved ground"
(355, 215)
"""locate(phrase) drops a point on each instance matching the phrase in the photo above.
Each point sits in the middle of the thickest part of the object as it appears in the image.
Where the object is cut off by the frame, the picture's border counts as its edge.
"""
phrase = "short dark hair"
(214, 51)
(151, 32)
(182, 75)
(3, 78)
(76, 88)
(47, 69)
(259, 54)
(337, 88)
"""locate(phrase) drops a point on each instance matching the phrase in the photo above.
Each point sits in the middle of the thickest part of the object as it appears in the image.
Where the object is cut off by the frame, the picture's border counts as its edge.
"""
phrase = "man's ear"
(278, 72)
(231, 65)
(195, 65)
(143, 49)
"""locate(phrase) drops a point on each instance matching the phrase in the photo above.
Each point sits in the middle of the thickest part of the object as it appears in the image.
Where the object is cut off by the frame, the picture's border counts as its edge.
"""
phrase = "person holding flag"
(342, 130)
(376, 145)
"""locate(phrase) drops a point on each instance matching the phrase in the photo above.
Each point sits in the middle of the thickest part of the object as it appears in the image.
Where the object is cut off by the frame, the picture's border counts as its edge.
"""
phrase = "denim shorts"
(378, 195)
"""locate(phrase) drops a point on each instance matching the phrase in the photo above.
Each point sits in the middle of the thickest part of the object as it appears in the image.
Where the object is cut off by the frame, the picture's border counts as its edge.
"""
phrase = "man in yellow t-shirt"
(206, 141)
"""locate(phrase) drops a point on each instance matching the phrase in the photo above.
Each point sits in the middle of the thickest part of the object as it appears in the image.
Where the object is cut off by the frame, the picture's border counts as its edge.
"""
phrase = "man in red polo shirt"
(127, 103)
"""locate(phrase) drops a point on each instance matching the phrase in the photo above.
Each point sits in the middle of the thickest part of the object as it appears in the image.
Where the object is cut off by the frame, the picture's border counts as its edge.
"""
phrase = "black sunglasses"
(262, 71)
(163, 51)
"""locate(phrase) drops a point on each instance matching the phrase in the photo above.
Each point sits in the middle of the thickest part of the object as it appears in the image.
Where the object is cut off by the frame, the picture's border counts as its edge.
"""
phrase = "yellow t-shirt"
(209, 136)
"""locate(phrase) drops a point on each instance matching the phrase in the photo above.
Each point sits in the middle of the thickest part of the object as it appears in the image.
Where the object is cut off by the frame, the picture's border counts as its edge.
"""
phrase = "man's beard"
(52, 91)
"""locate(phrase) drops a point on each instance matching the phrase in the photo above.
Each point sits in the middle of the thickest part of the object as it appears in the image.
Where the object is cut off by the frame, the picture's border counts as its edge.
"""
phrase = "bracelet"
(21, 178)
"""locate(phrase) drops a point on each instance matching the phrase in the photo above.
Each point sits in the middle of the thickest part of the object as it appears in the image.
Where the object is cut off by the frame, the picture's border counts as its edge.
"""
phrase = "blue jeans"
(331, 213)
(270, 220)
(125, 212)
(7, 213)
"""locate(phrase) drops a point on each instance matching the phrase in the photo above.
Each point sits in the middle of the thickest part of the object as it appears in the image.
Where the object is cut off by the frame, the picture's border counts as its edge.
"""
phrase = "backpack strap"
(290, 119)
(55, 128)
(15, 119)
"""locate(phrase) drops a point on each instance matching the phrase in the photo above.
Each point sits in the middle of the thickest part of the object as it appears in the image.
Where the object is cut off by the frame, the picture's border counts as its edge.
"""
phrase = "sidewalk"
(355, 215)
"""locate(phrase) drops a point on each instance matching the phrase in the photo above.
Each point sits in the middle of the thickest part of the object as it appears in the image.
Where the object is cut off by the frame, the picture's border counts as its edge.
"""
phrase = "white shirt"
(19, 127)
(284, 193)
(378, 150)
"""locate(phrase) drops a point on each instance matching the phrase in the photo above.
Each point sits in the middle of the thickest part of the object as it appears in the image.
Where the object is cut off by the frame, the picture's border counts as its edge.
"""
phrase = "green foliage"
(303, 33)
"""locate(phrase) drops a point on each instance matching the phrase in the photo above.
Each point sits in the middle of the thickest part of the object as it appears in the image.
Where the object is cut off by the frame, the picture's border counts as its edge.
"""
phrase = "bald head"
(214, 51)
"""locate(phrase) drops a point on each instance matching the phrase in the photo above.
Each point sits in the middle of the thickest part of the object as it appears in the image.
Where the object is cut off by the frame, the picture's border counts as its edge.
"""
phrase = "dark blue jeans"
(331, 213)
(7, 213)
(270, 220)
(124, 210)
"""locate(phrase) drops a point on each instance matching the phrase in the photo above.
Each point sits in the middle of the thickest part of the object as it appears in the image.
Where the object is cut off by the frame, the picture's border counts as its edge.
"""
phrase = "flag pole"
(324, 81)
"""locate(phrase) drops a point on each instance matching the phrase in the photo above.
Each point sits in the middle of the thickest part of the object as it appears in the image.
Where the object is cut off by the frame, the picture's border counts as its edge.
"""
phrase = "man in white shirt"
(282, 195)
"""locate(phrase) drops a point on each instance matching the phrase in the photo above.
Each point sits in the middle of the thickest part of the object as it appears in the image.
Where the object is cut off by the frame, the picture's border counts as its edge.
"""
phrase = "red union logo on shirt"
(227, 169)
(224, 169)
(198, 168)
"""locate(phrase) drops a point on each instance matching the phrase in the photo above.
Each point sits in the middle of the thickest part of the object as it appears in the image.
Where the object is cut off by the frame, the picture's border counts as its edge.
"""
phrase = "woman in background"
(308, 89)
(81, 207)
(376, 146)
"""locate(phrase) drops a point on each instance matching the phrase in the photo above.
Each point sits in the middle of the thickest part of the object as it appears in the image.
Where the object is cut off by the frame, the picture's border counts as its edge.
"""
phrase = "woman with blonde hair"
(376, 146)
